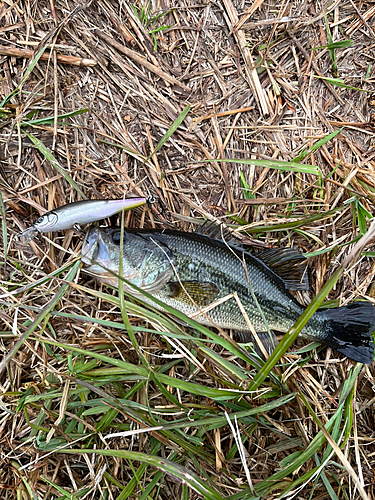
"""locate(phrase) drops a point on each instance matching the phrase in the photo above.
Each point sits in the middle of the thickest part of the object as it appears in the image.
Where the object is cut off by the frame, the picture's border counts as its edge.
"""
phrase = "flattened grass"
(107, 398)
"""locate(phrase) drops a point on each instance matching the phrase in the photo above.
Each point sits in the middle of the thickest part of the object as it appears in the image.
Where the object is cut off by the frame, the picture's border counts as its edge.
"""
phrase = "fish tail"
(349, 330)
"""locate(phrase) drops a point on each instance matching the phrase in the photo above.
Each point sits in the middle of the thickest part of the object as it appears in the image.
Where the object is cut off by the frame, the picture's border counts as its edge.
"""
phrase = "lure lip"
(27, 235)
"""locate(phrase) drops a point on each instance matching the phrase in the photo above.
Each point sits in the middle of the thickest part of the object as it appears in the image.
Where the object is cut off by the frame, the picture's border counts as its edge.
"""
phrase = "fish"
(190, 271)
(73, 215)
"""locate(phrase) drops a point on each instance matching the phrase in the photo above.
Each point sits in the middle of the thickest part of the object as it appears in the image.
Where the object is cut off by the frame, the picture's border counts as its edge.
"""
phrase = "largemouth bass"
(189, 271)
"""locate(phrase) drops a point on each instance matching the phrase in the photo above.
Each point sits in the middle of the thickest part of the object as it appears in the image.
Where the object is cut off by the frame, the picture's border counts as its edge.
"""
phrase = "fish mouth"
(95, 250)
(90, 246)
(95, 256)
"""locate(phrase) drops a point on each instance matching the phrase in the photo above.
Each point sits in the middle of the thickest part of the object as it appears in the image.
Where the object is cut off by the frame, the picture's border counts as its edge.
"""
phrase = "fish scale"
(223, 268)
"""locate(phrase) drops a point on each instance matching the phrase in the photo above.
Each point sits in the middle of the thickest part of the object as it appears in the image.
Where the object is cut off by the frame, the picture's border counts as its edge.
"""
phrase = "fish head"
(145, 263)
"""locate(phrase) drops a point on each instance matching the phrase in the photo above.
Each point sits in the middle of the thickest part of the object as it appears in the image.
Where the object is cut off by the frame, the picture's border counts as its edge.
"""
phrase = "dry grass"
(276, 110)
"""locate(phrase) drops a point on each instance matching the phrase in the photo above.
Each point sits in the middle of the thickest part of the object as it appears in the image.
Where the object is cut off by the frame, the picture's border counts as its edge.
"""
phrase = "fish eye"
(39, 220)
(116, 237)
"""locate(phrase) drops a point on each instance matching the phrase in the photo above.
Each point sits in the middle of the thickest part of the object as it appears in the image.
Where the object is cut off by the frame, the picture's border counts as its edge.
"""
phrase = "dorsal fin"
(213, 230)
(218, 231)
(289, 264)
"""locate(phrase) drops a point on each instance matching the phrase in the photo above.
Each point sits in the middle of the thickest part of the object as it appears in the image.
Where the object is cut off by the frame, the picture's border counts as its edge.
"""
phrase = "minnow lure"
(73, 215)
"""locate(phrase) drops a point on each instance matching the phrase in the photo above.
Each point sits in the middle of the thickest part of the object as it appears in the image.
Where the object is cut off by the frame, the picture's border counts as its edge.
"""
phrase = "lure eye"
(116, 237)
(39, 220)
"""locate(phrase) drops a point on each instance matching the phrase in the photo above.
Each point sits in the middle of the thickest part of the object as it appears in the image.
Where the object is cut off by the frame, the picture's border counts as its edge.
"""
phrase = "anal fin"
(269, 341)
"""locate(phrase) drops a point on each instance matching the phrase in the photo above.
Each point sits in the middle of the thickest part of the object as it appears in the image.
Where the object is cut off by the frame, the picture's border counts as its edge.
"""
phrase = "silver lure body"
(77, 214)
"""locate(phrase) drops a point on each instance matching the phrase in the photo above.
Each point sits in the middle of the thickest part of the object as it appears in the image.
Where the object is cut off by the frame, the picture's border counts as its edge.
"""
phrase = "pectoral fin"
(202, 293)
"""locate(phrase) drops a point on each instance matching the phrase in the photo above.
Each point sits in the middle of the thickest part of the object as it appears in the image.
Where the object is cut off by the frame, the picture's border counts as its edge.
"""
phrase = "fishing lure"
(73, 215)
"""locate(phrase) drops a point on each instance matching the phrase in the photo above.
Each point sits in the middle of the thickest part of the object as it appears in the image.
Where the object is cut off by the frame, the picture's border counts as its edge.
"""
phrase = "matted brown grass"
(256, 91)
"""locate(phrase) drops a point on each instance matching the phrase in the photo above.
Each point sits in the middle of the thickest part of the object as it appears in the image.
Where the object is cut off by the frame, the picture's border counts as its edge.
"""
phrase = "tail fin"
(350, 331)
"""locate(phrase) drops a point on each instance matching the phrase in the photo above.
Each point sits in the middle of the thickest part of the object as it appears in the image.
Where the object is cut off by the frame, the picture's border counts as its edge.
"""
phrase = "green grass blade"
(315, 444)
(128, 490)
(131, 152)
(331, 50)
(341, 83)
(171, 130)
(180, 473)
(35, 284)
(246, 191)
(298, 223)
(65, 494)
(327, 484)
(317, 145)
(156, 479)
(337, 450)
(30, 68)
(293, 333)
(49, 156)
(50, 119)
(340, 44)
(40, 317)
(124, 314)
(284, 166)
(4, 228)
(140, 371)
